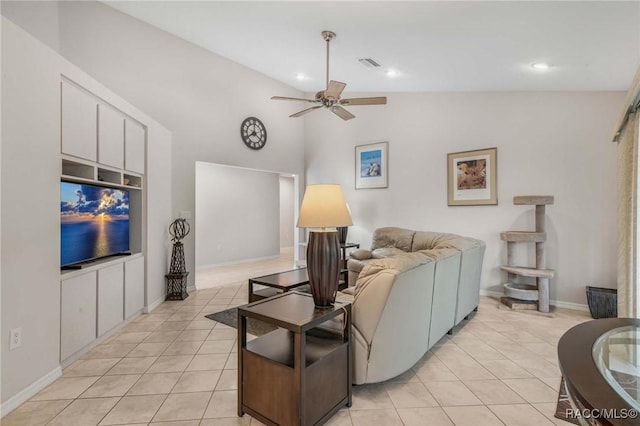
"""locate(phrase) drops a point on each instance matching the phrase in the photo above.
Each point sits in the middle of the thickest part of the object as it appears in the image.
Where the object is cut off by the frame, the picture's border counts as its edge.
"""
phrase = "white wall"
(548, 143)
(287, 200)
(40, 19)
(239, 214)
(201, 97)
(30, 209)
(158, 213)
(30, 243)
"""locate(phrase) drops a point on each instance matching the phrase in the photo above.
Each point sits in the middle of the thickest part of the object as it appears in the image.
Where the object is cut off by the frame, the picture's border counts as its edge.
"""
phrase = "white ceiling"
(436, 46)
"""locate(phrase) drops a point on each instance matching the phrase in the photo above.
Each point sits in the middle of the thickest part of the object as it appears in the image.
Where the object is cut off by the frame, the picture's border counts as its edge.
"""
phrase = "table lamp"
(323, 206)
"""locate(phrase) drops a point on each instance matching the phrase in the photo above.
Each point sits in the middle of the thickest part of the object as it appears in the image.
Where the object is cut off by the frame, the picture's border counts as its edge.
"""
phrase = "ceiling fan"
(330, 97)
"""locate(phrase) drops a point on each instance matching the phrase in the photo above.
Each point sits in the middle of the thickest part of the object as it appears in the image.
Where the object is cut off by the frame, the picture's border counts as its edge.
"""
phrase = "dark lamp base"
(323, 267)
(324, 307)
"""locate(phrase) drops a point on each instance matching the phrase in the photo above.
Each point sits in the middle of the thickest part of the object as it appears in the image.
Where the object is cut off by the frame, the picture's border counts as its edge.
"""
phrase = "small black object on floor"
(230, 317)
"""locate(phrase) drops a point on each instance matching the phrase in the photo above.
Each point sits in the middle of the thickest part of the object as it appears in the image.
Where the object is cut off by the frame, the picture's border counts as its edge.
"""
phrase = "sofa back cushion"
(373, 285)
(381, 253)
(392, 237)
(424, 240)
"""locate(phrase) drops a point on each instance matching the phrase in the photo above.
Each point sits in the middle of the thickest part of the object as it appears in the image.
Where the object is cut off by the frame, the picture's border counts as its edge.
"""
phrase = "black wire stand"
(177, 276)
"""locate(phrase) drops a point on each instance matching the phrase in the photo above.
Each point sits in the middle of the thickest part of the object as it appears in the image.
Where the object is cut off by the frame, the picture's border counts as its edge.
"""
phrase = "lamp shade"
(324, 206)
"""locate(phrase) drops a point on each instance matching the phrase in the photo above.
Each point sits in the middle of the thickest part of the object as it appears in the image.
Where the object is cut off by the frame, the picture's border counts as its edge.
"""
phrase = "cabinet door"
(110, 297)
(110, 137)
(79, 123)
(133, 286)
(78, 313)
(134, 147)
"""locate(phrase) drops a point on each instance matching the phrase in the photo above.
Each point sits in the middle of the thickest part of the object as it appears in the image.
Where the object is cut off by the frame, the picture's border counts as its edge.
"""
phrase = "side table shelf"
(298, 374)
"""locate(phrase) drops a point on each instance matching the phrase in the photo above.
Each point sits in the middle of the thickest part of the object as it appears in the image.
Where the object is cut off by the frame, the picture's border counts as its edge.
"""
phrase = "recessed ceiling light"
(301, 76)
(540, 66)
(391, 73)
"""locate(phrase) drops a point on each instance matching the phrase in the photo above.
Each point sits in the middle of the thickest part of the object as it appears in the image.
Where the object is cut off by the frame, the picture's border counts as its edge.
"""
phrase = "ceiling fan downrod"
(328, 36)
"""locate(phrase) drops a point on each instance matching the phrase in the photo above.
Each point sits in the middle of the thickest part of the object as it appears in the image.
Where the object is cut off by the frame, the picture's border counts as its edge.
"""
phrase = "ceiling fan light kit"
(330, 97)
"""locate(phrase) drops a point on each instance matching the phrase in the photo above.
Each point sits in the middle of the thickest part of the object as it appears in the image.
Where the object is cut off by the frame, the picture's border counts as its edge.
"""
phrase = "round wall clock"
(253, 133)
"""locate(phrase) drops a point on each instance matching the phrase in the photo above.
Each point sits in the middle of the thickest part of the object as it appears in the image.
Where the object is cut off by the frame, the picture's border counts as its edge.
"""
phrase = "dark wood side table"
(344, 248)
(298, 374)
(284, 282)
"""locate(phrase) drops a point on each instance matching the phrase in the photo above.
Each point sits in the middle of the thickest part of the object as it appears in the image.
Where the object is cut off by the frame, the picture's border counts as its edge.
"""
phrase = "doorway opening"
(244, 216)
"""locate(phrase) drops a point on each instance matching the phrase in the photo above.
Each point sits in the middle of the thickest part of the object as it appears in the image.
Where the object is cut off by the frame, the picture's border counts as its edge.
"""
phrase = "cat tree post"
(520, 295)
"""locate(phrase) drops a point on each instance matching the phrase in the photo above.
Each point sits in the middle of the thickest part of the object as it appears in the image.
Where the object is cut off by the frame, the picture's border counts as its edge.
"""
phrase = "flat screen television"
(94, 222)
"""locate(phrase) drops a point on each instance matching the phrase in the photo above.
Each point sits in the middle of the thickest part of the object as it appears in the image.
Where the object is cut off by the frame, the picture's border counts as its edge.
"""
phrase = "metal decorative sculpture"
(177, 276)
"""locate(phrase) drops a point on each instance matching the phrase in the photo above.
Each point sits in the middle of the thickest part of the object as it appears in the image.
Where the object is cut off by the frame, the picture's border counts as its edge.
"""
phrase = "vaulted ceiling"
(432, 46)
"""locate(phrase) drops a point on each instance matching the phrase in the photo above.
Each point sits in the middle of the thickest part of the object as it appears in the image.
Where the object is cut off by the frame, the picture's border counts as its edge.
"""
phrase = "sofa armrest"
(361, 254)
(349, 290)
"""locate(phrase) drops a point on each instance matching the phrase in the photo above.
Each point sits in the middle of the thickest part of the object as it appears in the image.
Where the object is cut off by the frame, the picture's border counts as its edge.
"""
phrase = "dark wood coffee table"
(283, 282)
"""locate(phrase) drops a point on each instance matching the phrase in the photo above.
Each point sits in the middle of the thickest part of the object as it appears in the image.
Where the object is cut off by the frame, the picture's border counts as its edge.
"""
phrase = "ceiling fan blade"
(334, 89)
(284, 98)
(305, 111)
(381, 100)
(342, 113)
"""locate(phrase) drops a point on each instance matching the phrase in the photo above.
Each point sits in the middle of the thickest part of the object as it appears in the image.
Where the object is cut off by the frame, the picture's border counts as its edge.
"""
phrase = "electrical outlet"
(16, 338)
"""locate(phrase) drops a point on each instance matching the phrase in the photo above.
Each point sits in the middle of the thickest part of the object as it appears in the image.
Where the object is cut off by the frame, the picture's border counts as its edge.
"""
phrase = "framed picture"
(472, 177)
(371, 166)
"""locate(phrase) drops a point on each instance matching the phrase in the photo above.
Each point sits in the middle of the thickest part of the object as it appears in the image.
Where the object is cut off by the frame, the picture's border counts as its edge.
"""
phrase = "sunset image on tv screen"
(94, 222)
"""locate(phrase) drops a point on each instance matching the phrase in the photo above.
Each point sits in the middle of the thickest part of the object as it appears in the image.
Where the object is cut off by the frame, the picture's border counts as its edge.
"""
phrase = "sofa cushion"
(392, 237)
(424, 240)
(356, 265)
(383, 252)
(361, 254)
(438, 254)
(460, 243)
(394, 265)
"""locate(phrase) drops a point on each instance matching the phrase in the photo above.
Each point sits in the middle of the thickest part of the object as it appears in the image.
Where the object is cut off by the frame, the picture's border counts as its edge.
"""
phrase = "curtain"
(627, 156)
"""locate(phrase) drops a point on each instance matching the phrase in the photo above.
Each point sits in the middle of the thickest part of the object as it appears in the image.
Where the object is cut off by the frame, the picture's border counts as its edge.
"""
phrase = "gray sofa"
(410, 289)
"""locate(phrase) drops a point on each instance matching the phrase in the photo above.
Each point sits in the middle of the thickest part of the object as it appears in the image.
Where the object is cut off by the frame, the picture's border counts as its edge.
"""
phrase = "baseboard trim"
(556, 303)
(494, 294)
(26, 393)
(153, 305)
(569, 305)
(236, 262)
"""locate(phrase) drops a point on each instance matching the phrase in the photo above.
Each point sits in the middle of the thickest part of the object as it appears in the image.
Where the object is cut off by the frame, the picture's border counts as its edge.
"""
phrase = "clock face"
(253, 133)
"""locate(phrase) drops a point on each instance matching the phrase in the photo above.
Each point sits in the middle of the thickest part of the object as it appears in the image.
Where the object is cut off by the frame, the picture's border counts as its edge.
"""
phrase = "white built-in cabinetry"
(79, 122)
(78, 313)
(98, 299)
(133, 293)
(110, 297)
(134, 147)
(102, 145)
(111, 137)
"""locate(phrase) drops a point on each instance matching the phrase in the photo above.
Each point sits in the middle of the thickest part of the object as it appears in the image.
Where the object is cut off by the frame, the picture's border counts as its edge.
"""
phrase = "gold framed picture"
(472, 177)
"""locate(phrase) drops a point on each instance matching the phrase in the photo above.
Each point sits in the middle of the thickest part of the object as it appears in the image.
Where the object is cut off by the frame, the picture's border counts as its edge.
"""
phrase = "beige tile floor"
(175, 367)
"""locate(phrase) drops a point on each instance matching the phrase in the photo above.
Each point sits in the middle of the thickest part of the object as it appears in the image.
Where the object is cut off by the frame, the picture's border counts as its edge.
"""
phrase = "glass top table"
(617, 357)
(599, 362)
